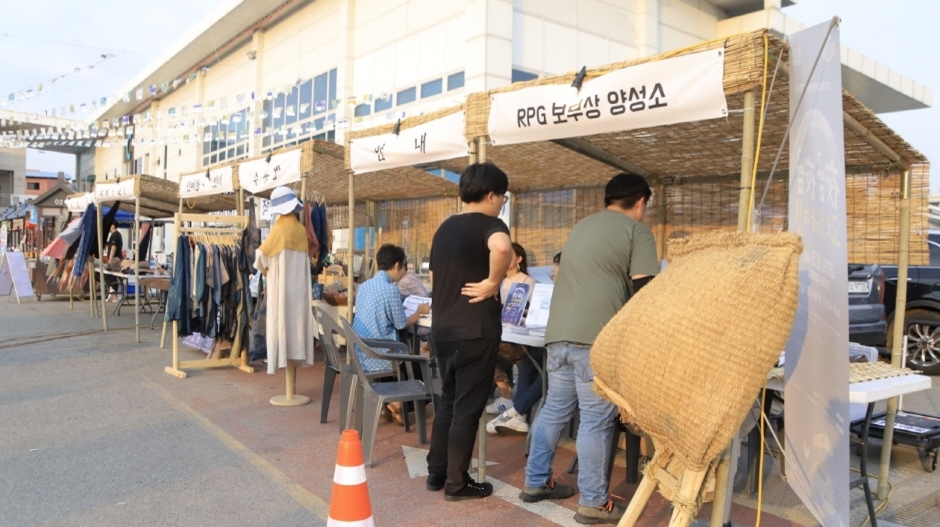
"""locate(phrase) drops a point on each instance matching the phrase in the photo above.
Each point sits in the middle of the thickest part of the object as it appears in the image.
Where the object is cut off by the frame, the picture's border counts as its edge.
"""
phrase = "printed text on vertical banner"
(259, 175)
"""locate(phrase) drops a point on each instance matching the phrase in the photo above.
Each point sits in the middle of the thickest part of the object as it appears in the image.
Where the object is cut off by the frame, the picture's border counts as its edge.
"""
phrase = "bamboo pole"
(481, 456)
(351, 251)
(660, 221)
(898, 334)
(137, 287)
(747, 162)
(104, 307)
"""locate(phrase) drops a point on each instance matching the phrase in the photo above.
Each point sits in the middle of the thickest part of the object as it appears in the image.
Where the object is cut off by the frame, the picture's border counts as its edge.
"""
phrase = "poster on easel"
(14, 276)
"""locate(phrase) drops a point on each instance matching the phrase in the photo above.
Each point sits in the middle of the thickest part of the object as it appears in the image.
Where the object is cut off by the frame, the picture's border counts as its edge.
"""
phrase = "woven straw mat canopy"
(159, 198)
(322, 164)
(703, 148)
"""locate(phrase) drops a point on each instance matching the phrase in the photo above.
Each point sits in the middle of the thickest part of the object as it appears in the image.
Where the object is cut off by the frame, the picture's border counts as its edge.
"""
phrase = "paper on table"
(413, 301)
(539, 306)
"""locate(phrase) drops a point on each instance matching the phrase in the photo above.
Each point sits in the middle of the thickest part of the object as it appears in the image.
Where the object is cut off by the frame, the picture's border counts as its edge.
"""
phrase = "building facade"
(256, 76)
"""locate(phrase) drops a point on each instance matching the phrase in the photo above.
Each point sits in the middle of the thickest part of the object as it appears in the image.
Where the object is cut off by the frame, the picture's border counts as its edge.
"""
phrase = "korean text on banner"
(676, 90)
(105, 192)
(817, 366)
(436, 140)
(219, 181)
(260, 175)
(79, 203)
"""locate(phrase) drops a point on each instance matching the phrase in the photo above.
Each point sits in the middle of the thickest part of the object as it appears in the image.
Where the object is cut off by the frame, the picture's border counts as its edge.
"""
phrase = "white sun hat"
(284, 201)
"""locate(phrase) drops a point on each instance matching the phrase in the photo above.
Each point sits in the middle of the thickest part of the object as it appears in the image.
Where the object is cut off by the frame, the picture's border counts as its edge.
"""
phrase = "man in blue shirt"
(379, 310)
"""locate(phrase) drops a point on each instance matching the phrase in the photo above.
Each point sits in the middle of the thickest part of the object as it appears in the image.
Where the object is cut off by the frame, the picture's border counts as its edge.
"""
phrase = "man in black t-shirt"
(470, 255)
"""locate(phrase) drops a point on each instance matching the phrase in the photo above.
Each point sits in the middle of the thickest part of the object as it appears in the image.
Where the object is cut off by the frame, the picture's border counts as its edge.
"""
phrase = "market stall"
(706, 126)
(215, 190)
(156, 198)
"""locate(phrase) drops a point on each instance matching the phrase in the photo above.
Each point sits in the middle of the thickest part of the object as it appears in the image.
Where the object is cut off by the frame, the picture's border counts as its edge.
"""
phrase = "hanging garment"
(258, 342)
(283, 260)
(85, 242)
(313, 244)
(178, 306)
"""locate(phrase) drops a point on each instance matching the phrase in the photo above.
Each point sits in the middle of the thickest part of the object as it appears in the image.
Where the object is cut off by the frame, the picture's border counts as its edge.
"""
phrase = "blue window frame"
(432, 88)
(406, 96)
(454, 81)
(522, 76)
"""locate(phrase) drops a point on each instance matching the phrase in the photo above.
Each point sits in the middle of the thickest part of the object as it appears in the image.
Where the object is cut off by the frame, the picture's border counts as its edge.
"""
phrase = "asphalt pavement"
(95, 433)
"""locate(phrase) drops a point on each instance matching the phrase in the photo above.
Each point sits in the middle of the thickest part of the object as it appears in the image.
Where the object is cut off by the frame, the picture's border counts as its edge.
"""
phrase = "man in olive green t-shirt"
(608, 256)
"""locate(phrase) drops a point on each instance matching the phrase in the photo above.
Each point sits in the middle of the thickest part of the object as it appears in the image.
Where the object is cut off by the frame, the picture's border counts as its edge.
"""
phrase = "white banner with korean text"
(260, 175)
(218, 181)
(817, 366)
(436, 140)
(676, 90)
(79, 203)
(105, 192)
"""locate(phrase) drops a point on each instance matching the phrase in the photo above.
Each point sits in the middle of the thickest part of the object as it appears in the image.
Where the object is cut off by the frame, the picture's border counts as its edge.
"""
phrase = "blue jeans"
(570, 385)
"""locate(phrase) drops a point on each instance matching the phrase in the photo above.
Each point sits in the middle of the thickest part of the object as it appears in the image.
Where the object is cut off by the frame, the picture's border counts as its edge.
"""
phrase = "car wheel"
(923, 340)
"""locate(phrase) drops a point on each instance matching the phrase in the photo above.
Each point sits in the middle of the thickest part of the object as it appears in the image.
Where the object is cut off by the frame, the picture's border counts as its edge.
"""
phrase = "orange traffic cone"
(349, 504)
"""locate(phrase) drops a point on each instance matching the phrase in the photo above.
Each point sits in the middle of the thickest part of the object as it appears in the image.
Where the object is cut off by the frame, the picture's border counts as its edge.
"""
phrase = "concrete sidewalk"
(95, 433)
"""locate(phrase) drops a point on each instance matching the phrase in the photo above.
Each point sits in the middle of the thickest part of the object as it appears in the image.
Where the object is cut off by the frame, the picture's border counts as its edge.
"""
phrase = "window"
(293, 117)
(522, 76)
(432, 88)
(225, 134)
(363, 110)
(406, 96)
(454, 81)
(32, 186)
(382, 104)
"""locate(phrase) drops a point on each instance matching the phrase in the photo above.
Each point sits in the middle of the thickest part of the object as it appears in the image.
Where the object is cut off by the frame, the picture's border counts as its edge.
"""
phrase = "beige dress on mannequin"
(282, 258)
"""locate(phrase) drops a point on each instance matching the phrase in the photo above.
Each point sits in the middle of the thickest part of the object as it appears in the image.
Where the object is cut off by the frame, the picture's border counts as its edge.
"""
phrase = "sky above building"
(42, 40)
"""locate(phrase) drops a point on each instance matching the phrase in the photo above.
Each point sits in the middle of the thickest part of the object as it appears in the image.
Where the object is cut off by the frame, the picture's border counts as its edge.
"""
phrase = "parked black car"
(922, 315)
(867, 317)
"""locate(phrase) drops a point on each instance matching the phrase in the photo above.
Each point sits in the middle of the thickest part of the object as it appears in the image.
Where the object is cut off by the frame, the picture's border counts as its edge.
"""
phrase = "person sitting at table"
(411, 285)
(511, 354)
(379, 311)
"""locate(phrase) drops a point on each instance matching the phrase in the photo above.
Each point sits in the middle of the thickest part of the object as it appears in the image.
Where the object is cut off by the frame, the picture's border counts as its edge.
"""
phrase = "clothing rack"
(198, 226)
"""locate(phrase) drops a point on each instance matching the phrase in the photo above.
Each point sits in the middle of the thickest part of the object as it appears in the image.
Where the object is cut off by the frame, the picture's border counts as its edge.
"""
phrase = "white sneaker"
(500, 419)
(515, 425)
(500, 405)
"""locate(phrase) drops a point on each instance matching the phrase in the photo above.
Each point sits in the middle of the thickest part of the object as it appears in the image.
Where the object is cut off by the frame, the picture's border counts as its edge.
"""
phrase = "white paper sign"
(260, 175)
(105, 192)
(437, 140)
(218, 182)
(540, 305)
(79, 203)
(677, 90)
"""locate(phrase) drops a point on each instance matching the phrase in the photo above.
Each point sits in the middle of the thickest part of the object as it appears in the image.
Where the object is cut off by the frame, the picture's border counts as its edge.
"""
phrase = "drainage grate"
(924, 512)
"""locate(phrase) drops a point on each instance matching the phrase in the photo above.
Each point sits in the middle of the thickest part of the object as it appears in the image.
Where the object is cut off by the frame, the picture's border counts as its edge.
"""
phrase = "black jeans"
(467, 369)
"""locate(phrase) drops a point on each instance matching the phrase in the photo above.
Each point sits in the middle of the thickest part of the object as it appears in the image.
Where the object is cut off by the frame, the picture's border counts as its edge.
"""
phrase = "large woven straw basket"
(687, 355)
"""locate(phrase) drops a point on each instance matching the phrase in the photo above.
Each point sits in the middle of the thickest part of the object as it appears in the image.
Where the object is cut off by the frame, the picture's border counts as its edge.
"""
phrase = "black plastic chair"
(376, 394)
(328, 329)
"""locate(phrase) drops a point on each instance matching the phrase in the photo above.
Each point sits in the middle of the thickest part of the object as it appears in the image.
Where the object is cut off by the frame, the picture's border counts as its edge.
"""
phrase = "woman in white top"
(509, 354)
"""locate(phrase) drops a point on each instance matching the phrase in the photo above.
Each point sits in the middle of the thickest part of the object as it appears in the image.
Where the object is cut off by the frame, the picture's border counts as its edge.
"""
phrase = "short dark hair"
(557, 259)
(479, 179)
(520, 251)
(388, 255)
(626, 189)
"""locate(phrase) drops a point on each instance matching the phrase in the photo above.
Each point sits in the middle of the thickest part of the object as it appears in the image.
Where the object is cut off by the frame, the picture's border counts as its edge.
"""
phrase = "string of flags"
(44, 86)
(184, 124)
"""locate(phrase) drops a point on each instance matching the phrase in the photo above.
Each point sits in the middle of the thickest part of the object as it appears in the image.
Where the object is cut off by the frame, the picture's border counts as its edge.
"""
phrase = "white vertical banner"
(817, 364)
(266, 173)
(435, 140)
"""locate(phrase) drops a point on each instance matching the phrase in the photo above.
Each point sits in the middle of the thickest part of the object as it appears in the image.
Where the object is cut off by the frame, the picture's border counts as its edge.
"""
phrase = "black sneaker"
(471, 491)
(550, 491)
(435, 483)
